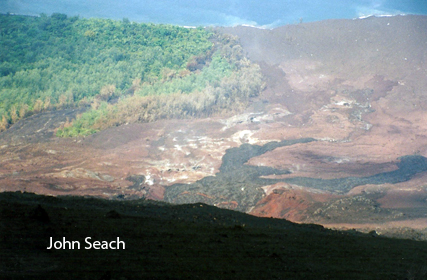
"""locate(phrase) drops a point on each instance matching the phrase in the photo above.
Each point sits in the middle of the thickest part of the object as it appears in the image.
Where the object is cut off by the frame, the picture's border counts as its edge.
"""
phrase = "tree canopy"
(56, 61)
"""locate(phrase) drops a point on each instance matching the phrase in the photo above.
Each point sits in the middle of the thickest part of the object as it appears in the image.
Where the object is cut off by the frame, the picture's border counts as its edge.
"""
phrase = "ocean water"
(264, 14)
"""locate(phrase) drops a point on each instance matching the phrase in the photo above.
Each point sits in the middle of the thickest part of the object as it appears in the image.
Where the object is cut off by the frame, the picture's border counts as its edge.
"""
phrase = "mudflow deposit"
(338, 137)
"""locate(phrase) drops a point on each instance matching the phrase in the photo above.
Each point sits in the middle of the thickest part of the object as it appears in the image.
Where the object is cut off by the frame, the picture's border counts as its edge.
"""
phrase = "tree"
(106, 92)
(13, 114)
(4, 124)
(90, 34)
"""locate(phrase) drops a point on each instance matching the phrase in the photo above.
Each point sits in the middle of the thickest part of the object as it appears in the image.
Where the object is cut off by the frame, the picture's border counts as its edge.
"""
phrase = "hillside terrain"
(191, 241)
(124, 72)
(337, 136)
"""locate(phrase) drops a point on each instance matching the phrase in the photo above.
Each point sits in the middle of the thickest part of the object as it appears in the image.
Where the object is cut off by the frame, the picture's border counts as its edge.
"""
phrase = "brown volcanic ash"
(357, 86)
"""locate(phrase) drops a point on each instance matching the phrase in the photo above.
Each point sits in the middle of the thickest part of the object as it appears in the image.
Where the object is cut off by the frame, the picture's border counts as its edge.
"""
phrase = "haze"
(266, 14)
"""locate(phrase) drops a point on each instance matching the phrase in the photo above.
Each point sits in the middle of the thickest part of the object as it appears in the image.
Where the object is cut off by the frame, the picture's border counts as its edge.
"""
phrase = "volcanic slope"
(358, 87)
(163, 241)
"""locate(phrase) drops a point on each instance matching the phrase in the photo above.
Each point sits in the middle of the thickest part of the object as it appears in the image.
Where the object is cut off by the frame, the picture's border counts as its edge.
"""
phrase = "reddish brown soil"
(357, 86)
(286, 201)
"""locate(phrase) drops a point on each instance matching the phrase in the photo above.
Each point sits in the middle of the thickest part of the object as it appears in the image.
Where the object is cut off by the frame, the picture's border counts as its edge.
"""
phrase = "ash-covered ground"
(357, 87)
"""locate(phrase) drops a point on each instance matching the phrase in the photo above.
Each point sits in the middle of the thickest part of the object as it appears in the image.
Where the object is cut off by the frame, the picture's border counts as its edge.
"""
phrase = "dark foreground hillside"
(194, 241)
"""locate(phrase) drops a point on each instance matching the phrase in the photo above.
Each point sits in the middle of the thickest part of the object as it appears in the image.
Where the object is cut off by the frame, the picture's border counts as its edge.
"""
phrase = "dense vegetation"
(126, 71)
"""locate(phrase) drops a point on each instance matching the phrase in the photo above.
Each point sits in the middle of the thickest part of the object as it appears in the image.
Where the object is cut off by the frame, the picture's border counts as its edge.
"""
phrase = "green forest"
(121, 71)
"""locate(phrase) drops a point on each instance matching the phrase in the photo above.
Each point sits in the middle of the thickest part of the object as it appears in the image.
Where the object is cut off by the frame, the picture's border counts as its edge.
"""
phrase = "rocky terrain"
(338, 137)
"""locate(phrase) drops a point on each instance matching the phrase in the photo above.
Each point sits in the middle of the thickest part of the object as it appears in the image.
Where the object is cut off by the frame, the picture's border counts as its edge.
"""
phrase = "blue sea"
(263, 14)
